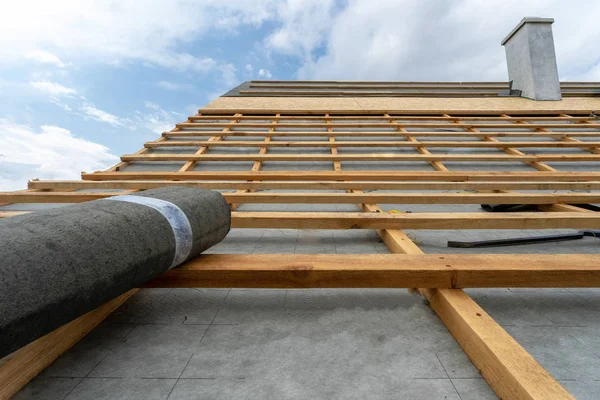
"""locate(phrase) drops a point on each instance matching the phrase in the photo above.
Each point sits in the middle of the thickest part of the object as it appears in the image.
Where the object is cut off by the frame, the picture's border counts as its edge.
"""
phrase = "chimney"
(531, 59)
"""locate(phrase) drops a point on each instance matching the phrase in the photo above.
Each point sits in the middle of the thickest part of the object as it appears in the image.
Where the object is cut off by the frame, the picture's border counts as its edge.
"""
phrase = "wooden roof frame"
(506, 366)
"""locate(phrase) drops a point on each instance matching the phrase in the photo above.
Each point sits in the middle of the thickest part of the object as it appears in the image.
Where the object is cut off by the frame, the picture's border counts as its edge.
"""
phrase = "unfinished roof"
(326, 184)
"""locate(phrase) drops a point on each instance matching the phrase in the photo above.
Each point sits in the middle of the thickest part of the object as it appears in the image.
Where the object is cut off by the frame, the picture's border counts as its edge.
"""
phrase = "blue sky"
(82, 82)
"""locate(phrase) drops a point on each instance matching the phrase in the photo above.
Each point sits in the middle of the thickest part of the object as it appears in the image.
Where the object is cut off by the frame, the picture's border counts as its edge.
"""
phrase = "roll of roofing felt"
(58, 264)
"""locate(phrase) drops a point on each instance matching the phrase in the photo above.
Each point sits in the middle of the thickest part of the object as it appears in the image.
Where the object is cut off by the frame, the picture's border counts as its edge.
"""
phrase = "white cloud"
(59, 103)
(303, 24)
(44, 57)
(53, 88)
(90, 111)
(120, 32)
(157, 120)
(50, 153)
(353, 39)
(177, 87)
(249, 67)
(265, 73)
(432, 40)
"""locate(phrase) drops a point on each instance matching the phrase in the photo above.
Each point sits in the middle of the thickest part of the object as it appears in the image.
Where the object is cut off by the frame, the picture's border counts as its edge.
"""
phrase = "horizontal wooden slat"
(341, 220)
(349, 175)
(253, 143)
(436, 93)
(362, 157)
(449, 133)
(317, 185)
(333, 198)
(381, 125)
(325, 220)
(407, 85)
(384, 271)
(512, 109)
(375, 85)
(438, 117)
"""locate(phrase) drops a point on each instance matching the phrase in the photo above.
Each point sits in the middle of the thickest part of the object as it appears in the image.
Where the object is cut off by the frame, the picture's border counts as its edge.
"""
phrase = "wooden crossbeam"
(335, 198)
(302, 111)
(316, 185)
(411, 144)
(343, 220)
(381, 125)
(363, 157)
(210, 117)
(383, 175)
(376, 86)
(384, 271)
(381, 133)
(359, 93)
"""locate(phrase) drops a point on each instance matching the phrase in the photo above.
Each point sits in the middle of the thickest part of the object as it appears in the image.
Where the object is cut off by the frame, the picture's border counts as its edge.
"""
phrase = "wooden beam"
(371, 111)
(434, 117)
(363, 157)
(335, 198)
(313, 185)
(343, 220)
(397, 143)
(17, 369)
(382, 175)
(384, 271)
(382, 125)
(508, 368)
(363, 134)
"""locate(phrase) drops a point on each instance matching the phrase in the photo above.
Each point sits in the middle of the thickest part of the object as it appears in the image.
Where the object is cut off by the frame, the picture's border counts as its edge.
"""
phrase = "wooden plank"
(382, 125)
(384, 271)
(364, 134)
(434, 117)
(348, 106)
(324, 93)
(343, 220)
(508, 368)
(406, 143)
(376, 85)
(335, 198)
(362, 157)
(316, 185)
(17, 369)
(383, 175)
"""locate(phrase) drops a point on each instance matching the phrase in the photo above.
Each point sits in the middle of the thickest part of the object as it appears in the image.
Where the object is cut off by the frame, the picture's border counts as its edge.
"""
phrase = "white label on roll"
(179, 222)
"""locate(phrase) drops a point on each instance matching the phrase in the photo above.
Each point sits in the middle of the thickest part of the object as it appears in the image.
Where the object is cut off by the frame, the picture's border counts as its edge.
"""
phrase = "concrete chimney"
(531, 59)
